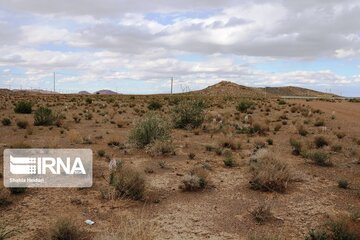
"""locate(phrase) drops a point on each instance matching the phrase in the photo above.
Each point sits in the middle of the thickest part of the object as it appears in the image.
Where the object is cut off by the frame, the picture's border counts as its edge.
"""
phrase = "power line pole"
(54, 83)
(172, 82)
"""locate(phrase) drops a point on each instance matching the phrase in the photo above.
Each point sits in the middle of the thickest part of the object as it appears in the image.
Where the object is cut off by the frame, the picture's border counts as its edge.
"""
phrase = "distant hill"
(296, 91)
(84, 93)
(232, 89)
(105, 92)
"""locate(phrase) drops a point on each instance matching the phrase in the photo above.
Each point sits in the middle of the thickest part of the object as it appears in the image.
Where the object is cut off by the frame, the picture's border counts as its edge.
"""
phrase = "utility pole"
(172, 82)
(54, 82)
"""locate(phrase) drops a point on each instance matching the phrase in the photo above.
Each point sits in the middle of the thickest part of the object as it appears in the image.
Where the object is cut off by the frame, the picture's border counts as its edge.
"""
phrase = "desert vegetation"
(226, 167)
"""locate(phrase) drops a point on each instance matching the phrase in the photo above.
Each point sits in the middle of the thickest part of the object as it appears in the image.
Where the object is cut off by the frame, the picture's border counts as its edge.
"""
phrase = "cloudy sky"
(135, 46)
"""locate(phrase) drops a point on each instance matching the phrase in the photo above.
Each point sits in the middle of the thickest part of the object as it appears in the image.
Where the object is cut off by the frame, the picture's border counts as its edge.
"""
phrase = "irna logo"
(39, 167)
(44, 165)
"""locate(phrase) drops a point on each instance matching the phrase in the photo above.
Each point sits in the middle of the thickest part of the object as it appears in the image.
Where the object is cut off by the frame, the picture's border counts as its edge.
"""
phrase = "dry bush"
(130, 230)
(74, 136)
(269, 173)
(302, 130)
(23, 124)
(63, 229)
(262, 213)
(319, 157)
(195, 180)
(337, 228)
(127, 182)
(229, 142)
(161, 148)
(6, 232)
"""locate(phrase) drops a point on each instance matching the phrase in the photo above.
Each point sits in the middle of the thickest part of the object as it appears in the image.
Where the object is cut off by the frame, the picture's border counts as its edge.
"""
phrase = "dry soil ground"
(220, 211)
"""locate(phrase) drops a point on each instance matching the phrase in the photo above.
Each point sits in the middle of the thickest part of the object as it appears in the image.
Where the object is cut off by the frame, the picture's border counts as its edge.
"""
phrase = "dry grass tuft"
(269, 173)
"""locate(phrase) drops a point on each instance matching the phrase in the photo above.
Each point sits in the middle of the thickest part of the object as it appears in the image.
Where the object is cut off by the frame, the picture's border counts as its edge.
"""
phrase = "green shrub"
(154, 105)
(43, 117)
(188, 114)
(149, 129)
(22, 124)
(281, 102)
(244, 105)
(6, 121)
(320, 158)
(343, 184)
(23, 107)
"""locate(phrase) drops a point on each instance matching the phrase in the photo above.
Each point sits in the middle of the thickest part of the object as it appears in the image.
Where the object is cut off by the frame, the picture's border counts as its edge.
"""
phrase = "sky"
(136, 46)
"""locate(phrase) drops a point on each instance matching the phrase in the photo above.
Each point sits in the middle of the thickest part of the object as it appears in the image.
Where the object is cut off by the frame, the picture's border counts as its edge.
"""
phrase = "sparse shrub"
(65, 229)
(149, 129)
(22, 124)
(269, 173)
(88, 100)
(101, 153)
(161, 148)
(259, 129)
(317, 235)
(6, 122)
(262, 213)
(342, 183)
(130, 229)
(281, 102)
(302, 130)
(127, 182)
(209, 148)
(319, 123)
(191, 156)
(162, 164)
(188, 114)
(336, 148)
(270, 141)
(244, 105)
(5, 231)
(195, 180)
(43, 117)
(229, 143)
(23, 107)
(340, 135)
(154, 105)
(320, 158)
(296, 146)
(320, 142)
(4, 198)
(229, 160)
(277, 127)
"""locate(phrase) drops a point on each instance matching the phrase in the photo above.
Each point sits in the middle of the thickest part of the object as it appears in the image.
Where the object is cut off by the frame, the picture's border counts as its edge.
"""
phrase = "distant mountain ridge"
(223, 88)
